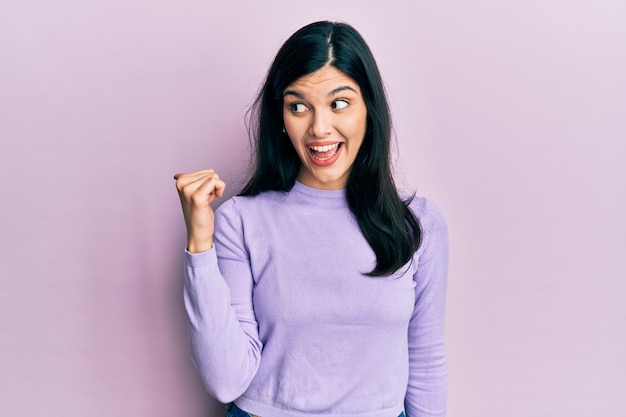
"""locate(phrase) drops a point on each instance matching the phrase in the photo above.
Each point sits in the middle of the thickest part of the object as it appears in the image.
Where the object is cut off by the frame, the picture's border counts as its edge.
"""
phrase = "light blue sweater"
(283, 321)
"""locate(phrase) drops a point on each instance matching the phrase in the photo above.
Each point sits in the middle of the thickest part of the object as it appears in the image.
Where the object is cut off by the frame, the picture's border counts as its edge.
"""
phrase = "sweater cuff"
(206, 258)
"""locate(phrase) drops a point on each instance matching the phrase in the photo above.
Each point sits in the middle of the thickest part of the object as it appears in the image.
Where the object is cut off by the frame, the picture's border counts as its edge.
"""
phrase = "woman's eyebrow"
(340, 89)
(293, 93)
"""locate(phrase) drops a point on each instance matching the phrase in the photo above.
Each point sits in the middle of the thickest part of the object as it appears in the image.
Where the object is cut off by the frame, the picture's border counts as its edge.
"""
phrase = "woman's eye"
(297, 107)
(340, 104)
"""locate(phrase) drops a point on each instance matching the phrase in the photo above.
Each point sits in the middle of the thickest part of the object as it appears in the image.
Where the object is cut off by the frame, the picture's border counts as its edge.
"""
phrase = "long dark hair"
(386, 222)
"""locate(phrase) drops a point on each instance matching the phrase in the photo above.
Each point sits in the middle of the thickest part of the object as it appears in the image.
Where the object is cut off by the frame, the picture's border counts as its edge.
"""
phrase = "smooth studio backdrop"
(509, 114)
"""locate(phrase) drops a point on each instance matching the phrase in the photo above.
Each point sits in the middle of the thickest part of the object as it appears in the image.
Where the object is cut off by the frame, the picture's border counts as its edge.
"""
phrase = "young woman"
(319, 290)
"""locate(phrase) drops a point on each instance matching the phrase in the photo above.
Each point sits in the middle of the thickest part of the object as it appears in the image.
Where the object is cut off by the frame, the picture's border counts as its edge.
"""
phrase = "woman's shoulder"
(429, 214)
(238, 204)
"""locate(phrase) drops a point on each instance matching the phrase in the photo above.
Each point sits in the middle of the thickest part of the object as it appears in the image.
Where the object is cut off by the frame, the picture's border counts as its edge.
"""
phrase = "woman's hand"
(196, 191)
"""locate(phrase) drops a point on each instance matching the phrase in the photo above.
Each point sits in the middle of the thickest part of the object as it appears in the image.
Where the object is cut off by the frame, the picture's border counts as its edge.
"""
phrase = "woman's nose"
(321, 124)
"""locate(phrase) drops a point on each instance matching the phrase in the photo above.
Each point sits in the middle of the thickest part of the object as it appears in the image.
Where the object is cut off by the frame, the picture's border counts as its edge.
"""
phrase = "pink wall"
(511, 115)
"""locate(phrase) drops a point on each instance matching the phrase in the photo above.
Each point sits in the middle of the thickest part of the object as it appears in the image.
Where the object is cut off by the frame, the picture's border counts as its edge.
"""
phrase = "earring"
(284, 131)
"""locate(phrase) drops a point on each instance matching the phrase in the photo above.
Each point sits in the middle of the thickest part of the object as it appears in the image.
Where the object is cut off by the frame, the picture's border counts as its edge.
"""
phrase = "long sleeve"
(223, 331)
(427, 388)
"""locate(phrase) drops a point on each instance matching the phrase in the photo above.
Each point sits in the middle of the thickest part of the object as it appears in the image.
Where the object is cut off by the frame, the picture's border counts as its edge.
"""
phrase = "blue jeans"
(233, 411)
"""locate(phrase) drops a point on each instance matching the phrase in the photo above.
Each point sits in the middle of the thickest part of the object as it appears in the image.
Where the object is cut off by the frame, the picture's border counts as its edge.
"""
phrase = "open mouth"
(325, 152)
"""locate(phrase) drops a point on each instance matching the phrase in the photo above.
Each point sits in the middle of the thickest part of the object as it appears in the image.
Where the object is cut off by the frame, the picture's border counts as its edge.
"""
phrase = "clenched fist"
(196, 191)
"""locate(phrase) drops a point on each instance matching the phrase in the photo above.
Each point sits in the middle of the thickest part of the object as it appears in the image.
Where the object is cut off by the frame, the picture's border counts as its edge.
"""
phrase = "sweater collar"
(319, 193)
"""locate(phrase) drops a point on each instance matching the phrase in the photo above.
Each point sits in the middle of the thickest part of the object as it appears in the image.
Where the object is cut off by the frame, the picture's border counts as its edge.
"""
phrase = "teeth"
(324, 148)
(317, 151)
(322, 159)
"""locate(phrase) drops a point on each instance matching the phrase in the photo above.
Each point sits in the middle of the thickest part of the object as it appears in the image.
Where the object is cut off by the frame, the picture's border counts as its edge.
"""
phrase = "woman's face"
(325, 117)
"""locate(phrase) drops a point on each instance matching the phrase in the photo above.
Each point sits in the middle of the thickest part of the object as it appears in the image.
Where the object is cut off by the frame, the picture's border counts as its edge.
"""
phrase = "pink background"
(510, 115)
